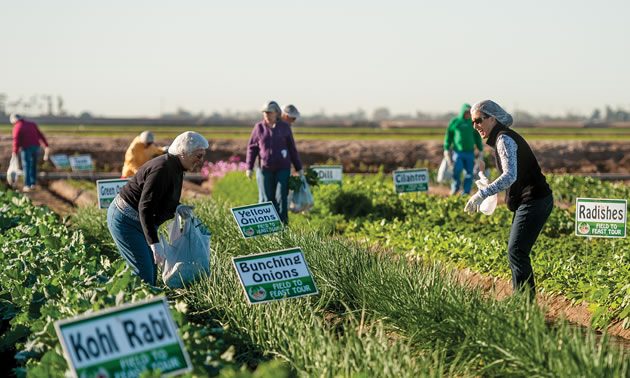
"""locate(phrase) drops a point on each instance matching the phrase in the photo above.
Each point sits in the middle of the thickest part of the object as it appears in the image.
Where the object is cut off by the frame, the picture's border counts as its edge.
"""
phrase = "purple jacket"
(275, 146)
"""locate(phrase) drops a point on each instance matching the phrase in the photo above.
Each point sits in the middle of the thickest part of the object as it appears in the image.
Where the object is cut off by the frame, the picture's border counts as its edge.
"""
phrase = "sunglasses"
(477, 121)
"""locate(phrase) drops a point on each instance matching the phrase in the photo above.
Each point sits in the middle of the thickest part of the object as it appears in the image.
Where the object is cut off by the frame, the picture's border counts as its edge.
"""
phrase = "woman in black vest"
(526, 191)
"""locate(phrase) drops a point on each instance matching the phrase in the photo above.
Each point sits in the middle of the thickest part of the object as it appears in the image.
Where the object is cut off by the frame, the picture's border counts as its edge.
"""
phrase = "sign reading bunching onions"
(274, 275)
(600, 218)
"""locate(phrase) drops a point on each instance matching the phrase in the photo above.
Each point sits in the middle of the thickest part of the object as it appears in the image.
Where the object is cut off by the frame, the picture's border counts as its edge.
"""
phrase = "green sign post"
(81, 163)
(275, 275)
(60, 160)
(411, 180)
(124, 341)
(258, 219)
(329, 174)
(107, 190)
(600, 218)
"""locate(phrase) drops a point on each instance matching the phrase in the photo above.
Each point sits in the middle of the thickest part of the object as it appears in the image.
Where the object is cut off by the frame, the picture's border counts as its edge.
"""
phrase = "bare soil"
(357, 155)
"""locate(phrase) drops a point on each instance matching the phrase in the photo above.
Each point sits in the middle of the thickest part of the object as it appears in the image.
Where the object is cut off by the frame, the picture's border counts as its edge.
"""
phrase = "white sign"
(329, 174)
(107, 190)
(60, 160)
(258, 219)
(124, 341)
(600, 218)
(411, 180)
(274, 275)
(81, 163)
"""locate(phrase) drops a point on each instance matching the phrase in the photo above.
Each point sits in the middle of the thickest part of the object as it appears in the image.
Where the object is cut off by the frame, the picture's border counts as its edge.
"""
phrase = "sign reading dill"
(258, 219)
(274, 275)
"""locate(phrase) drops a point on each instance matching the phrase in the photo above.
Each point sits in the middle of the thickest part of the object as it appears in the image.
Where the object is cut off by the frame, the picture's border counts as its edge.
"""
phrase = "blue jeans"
(463, 161)
(527, 223)
(29, 164)
(277, 191)
(133, 247)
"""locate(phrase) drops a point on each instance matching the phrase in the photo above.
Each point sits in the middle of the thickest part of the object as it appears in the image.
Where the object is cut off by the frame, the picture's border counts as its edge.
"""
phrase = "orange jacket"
(137, 154)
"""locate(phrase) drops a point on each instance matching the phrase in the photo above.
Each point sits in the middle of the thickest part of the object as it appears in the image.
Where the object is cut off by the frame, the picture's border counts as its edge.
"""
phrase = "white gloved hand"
(472, 206)
(447, 156)
(158, 253)
(301, 172)
(14, 154)
(248, 173)
(164, 149)
(185, 211)
(46, 153)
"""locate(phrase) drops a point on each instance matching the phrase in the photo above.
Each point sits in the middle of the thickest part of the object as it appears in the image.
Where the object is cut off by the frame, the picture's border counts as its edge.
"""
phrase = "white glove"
(14, 154)
(185, 211)
(301, 172)
(472, 206)
(46, 153)
(158, 253)
(248, 173)
(164, 149)
(447, 156)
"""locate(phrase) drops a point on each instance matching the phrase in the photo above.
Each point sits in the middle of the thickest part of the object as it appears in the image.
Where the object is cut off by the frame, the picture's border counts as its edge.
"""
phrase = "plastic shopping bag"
(187, 252)
(445, 172)
(301, 200)
(489, 204)
(260, 181)
(14, 170)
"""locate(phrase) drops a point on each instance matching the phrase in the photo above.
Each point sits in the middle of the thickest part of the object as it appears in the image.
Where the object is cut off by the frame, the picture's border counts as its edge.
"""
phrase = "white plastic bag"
(489, 204)
(445, 172)
(260, 182)
(302, 199)
(187, 252)
(14, 170)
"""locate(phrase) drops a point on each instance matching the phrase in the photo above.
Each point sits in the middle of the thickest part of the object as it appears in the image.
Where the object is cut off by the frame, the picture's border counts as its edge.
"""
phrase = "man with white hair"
(139, 152)
(149, 199)
(26, 140)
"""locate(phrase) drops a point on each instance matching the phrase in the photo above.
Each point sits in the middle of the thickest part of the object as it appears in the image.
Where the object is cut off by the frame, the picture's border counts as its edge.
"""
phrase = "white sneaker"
(26, 189)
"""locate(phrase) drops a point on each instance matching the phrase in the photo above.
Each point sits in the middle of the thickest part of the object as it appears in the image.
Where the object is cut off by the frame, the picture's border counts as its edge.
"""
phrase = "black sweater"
(154, 191)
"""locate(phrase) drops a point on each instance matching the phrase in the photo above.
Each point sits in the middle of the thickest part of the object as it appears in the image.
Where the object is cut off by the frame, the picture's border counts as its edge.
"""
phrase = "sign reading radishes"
(275, 275)
(258, 219)
(601, 218)
(124, 341)
(81, 163)
(411, 180)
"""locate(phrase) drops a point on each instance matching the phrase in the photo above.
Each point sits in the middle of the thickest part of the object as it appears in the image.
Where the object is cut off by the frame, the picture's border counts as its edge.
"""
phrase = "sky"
(146, 58)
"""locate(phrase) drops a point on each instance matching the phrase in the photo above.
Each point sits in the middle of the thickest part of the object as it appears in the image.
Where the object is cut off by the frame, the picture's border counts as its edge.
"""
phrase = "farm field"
(327, 133)
(389, 303)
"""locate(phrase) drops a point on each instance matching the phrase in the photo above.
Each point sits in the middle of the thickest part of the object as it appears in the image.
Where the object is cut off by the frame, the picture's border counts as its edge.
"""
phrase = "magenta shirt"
(26, 134)
(275, 146)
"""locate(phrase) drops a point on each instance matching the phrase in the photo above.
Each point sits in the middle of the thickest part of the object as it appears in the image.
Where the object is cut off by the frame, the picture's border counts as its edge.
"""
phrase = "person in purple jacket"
(272, 141)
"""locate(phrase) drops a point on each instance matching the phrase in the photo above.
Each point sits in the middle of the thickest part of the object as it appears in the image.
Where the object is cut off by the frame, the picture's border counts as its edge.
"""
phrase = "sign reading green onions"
(107, 190)
(601, 218)
(124, 341)
(411, 180)
(258, 219)
(275, 275)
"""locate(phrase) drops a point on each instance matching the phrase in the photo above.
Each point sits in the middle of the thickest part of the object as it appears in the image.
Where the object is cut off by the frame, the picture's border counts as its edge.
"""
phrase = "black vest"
(530, 183)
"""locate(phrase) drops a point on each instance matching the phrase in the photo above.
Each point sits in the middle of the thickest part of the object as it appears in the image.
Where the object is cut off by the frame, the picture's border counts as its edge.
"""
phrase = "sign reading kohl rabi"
(258, 219)
(600, 218)
(124, 341)
(275, 275)
(329, 174)
(81, 163)
(411, 180)
(60, 160)
(107, 190)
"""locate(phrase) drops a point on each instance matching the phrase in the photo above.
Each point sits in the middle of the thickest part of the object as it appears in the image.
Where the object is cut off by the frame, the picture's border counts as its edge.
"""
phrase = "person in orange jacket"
(139, 152)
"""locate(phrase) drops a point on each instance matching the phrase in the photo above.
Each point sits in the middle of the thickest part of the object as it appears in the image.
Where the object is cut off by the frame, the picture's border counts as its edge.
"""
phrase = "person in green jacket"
(462, 137)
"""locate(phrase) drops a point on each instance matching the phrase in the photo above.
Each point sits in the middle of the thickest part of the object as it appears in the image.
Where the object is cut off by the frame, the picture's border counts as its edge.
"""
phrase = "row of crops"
(376, 313)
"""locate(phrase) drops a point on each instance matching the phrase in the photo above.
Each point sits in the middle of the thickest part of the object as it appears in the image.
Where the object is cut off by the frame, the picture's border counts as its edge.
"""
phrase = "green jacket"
(461, 134)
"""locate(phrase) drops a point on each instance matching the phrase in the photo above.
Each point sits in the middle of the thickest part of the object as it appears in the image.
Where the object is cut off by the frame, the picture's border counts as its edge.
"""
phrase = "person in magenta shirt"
(26, 140)
(272, 140)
